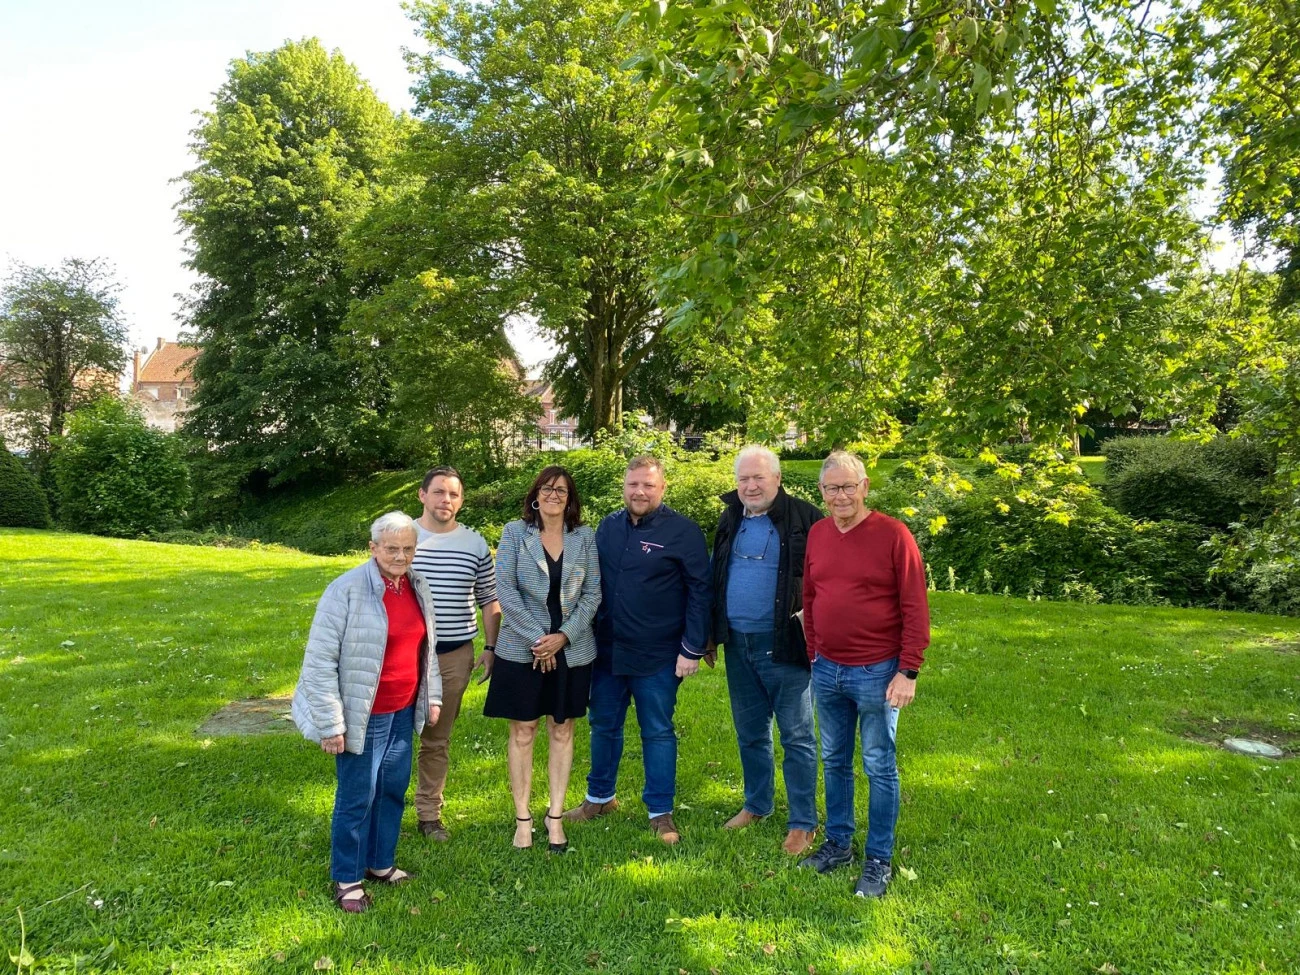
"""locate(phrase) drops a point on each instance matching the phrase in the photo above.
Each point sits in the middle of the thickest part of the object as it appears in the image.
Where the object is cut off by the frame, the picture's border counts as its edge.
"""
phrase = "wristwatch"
(489, 648)
(909, 674)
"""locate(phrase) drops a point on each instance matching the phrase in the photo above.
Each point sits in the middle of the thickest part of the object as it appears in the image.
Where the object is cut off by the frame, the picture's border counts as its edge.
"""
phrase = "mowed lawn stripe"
(1062, 809)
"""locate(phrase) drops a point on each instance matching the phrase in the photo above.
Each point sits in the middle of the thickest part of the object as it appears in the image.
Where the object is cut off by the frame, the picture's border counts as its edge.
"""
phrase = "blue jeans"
(370, 798)
(760, 688)
(849, 700)
(656, 697)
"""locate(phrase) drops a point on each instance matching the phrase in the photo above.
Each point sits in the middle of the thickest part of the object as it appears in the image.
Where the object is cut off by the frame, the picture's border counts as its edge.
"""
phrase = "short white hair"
(758, 450)
(843, 460)
(391, 524)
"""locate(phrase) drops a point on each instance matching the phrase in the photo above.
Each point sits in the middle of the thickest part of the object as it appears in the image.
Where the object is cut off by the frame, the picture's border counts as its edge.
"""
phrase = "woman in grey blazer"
(548, 582)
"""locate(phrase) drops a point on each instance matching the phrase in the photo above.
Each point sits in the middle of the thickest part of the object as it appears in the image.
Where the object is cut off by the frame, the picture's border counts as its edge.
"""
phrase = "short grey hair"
(391, 524)
(843, 460)
(758, 450)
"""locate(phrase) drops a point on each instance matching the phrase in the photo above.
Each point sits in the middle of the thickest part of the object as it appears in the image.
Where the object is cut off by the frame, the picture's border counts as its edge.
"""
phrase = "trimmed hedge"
(1215, 484)
(117, 476)
(22, 502)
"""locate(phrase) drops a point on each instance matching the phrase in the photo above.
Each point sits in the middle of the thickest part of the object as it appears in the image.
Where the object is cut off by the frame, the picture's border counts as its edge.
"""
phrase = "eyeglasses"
(848, 490)
(752, 558)
(553, 492)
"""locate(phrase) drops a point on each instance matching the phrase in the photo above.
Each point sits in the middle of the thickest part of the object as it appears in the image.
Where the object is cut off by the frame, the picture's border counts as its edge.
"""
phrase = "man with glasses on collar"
(758, 553)
(867, 623)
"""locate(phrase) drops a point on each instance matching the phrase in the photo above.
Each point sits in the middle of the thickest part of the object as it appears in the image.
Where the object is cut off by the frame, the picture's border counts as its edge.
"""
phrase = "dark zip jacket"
(654, 580)
(791, 517)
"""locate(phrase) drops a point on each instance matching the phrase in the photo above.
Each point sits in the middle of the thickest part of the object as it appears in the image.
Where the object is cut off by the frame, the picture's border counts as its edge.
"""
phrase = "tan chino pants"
(435, 739)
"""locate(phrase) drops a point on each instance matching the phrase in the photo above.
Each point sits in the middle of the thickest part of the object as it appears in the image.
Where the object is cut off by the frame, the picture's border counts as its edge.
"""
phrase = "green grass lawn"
(1063, 808)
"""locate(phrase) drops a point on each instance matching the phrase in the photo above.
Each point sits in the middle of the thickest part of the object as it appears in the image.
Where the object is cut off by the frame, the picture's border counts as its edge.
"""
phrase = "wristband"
(489, 648)
(909, 674)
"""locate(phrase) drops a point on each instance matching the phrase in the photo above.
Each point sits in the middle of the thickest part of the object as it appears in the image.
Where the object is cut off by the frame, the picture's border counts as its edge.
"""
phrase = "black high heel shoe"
(556, 847)
(525, 819)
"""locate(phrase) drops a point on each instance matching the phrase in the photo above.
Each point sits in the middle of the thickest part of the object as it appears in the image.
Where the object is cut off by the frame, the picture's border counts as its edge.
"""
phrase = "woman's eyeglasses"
(553, 492)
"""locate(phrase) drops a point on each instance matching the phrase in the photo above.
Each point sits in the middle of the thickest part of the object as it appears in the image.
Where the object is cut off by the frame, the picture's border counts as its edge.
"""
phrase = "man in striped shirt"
(456, 563)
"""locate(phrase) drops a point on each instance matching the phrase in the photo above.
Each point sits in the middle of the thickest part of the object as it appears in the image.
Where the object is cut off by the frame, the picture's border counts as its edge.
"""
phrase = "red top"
(864, 593)
(399, 680)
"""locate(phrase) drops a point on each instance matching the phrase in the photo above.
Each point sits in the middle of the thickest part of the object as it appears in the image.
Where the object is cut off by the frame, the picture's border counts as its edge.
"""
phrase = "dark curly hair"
(572, 505)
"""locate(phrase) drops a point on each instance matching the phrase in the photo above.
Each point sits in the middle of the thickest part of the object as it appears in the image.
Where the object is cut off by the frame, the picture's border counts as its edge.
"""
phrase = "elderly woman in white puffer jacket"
(369, 681)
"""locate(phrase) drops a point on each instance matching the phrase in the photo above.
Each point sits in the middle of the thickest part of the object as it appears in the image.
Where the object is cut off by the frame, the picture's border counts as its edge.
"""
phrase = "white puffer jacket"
(345, 654)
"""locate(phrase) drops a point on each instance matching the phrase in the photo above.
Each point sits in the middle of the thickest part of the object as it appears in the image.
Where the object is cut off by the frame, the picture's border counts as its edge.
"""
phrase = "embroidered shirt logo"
(647, 546)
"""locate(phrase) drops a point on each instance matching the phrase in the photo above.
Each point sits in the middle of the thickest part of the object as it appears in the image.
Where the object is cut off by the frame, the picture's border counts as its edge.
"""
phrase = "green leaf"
(1046, 7)
(982, 84)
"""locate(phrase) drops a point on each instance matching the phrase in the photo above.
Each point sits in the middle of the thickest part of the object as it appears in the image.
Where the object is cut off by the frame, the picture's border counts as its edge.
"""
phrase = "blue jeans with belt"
(655, 696)
(851, 700)
(760, 689)
(371, 796)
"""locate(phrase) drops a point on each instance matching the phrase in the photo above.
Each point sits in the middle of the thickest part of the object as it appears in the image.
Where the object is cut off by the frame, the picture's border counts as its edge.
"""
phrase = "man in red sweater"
(867, 624)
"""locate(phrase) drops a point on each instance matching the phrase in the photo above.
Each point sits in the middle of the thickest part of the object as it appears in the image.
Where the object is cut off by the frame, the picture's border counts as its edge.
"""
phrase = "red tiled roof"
(170, 364)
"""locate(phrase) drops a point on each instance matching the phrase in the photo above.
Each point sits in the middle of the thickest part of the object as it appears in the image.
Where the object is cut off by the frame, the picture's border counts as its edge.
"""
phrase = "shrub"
(22, 502)
(1214, 484)
(1038, 528)
(1259, 569)
(115, 475)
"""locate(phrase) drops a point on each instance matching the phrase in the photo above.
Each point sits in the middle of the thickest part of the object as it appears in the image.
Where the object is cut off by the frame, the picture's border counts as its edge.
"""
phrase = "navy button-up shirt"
(654, 577)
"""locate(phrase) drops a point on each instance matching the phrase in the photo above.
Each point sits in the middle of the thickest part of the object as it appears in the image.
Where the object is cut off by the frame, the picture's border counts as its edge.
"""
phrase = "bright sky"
(97, 100)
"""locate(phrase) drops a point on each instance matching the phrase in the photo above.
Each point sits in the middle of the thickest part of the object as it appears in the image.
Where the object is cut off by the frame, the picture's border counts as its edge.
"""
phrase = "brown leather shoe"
(588, 810)
(799, 841)
(435, 830)
(741, 820)
(664, 828)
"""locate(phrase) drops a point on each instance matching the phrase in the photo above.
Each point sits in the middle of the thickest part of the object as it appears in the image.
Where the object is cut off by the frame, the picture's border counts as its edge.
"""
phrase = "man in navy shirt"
(652, 629)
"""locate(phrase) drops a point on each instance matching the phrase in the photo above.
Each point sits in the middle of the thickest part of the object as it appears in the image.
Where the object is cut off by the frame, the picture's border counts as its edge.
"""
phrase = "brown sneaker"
(741, 820)
(799, 841)
(435, 830)
(587, 810)
(664, 828)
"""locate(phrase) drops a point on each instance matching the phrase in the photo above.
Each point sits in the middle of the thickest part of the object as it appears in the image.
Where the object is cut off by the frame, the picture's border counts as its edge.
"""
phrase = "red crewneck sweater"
(864, 593)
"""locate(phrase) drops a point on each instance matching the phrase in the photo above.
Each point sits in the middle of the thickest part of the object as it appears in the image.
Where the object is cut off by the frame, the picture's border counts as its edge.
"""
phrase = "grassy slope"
(1055, 814)
(336, 518)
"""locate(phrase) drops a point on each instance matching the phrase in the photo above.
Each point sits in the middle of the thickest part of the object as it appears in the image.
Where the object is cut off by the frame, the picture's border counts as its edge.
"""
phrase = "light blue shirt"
(751, 575)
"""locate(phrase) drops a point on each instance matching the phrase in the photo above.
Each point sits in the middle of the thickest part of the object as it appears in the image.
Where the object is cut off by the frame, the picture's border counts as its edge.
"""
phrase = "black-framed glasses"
(547, 491)
(767, 540)
(848, 490)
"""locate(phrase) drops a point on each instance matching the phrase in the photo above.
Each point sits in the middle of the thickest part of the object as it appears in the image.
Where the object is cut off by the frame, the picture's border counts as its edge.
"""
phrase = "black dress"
(521, 692)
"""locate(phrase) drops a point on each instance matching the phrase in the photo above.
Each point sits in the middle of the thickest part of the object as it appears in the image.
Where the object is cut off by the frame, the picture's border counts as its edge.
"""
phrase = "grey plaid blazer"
(523, 582)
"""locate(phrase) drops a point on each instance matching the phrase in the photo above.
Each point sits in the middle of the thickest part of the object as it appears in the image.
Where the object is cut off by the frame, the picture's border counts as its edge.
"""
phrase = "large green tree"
(535, 154)
(966, 216)
(1253, 62)
(62, 345)
(291, 155)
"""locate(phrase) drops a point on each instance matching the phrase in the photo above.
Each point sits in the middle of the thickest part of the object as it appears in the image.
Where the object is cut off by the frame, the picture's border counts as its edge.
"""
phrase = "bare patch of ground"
(1209, 732)
(257, 716)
